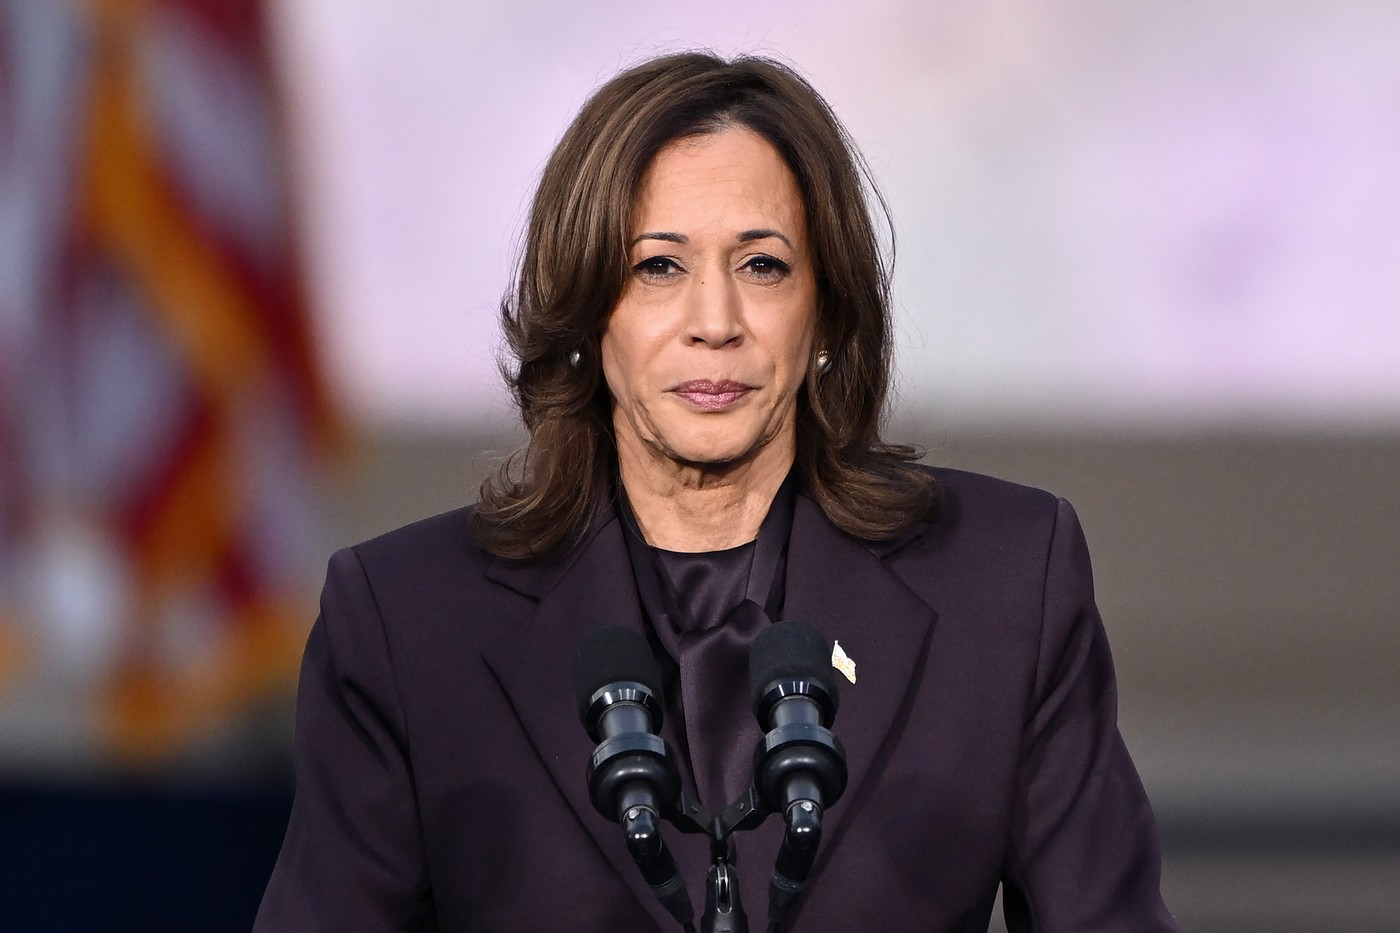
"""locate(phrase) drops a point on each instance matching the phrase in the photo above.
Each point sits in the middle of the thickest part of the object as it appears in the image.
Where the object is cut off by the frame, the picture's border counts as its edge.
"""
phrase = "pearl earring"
(823, 362)
(575, 358)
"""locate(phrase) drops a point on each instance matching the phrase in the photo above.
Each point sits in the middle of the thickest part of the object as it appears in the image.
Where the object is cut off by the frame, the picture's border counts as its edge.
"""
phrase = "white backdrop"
(1116, 213)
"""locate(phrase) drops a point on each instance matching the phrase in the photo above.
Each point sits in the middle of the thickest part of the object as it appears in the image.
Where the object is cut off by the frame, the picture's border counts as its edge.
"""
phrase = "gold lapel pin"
(843, 662)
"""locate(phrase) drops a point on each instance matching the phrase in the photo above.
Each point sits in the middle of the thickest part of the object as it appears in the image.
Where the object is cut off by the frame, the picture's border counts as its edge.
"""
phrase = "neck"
(686, 507)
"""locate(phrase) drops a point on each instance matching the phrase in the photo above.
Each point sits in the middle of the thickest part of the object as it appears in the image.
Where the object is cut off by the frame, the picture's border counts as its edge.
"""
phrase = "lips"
(711, 395)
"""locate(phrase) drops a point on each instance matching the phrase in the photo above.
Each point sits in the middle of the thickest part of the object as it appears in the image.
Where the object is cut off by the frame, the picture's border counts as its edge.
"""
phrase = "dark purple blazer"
(440, 762)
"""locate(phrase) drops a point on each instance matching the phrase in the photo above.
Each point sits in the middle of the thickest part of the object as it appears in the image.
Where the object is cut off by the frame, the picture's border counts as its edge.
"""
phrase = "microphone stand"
(724, 908)
(811, 760)
(809, 757)
(724, 913)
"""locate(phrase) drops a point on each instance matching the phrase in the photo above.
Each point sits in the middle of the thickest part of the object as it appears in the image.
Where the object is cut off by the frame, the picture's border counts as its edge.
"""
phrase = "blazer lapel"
(834, 582)
(844, 589)
(534, 665)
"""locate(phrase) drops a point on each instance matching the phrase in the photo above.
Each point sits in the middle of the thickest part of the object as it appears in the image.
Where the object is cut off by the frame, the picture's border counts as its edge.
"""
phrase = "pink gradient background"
(1106, 213)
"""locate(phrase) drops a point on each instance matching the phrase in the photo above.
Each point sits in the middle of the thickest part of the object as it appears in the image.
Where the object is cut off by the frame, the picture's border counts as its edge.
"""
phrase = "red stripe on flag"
(277, 298)
(239, 24)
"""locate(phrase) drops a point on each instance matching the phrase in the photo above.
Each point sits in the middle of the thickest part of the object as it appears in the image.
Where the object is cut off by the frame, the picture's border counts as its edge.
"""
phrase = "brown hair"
(574, 267)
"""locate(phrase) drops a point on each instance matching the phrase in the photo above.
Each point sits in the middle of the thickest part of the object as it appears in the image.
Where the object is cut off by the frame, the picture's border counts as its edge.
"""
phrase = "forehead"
(733, 178)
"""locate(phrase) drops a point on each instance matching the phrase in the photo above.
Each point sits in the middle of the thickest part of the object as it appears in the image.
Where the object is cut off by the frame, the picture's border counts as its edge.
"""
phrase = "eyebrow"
(762, 234)
(668, 237)
(746, 236)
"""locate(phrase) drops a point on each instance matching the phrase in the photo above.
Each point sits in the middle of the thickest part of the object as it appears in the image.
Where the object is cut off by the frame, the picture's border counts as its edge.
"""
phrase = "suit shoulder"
(439, 541)
(988, 516)
(963, 491)
(985, 554)
(429, 583)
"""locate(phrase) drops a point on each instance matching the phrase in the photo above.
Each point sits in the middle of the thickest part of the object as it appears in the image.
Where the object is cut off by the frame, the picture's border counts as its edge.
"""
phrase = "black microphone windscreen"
(609, 655)
(789, 649)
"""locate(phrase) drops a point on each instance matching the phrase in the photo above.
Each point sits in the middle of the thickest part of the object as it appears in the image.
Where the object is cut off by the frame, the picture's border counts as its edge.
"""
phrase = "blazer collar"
(844, 588)
(535, 578)
(834, 582)
(589, 587)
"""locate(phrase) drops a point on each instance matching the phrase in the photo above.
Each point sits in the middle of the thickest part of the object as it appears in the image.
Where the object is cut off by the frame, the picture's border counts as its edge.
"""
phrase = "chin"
(708, 455)
(711, 448)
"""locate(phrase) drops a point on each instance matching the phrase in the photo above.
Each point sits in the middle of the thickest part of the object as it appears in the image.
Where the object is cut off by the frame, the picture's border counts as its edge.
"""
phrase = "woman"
(701, 338)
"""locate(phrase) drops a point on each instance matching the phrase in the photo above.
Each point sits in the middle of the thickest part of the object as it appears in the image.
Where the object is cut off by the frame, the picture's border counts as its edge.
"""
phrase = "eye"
(656, 267)
(767, 267)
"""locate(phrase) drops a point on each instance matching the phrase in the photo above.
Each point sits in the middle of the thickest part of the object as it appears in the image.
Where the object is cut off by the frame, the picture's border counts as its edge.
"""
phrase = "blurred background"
(1148, 256)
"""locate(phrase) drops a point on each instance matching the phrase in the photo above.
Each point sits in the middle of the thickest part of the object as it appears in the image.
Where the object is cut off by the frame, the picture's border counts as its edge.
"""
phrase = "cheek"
(613, 368)
(795, 341)
(624, 361)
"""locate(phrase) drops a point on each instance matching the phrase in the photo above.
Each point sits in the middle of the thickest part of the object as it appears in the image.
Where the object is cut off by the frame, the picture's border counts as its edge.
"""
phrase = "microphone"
(632, 778)
(799, 764)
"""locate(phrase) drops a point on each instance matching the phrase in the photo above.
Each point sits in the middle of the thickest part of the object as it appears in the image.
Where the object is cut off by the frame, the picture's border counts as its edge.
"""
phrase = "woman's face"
(709, 344)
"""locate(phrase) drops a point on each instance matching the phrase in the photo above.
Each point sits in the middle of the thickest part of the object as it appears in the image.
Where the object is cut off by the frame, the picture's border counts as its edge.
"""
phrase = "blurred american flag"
(162, 412)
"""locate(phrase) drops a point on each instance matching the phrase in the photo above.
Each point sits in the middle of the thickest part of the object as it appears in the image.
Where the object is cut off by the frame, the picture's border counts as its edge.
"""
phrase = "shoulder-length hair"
(574, 267)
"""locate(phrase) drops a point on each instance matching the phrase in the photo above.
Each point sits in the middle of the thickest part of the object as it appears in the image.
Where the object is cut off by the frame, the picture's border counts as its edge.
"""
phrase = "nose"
(715, 312)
